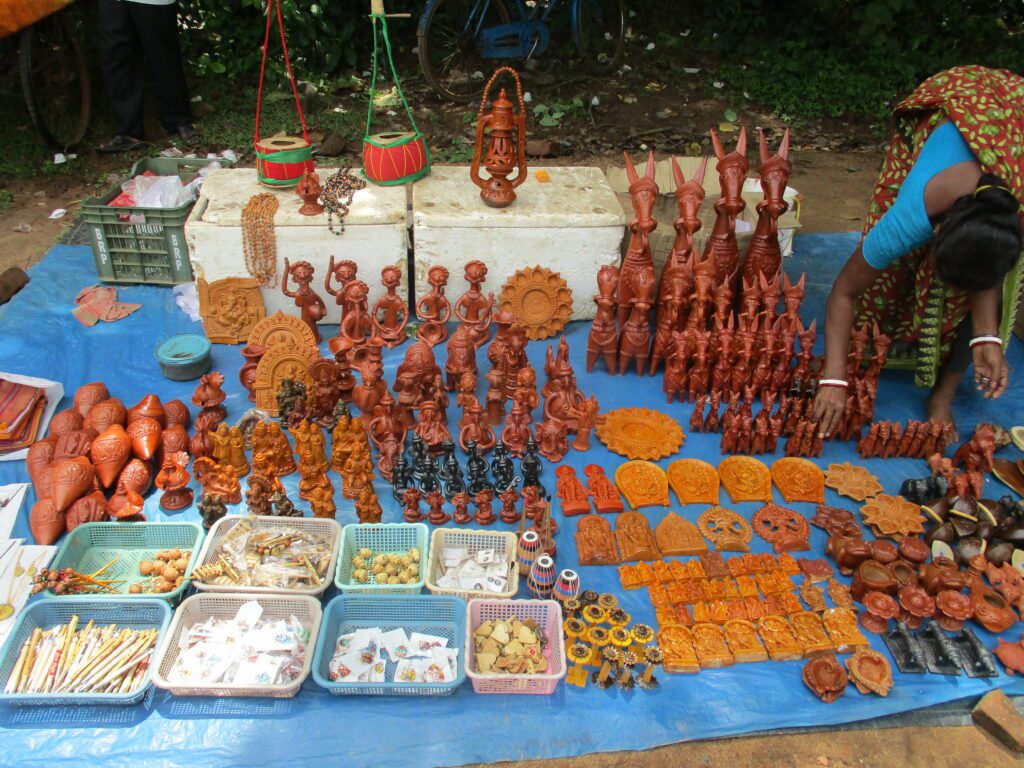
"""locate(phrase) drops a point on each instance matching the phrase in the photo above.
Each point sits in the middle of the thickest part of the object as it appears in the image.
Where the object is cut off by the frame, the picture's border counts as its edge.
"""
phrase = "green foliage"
(827, 58)
(6, 199)
(550, 115)
(325, 38)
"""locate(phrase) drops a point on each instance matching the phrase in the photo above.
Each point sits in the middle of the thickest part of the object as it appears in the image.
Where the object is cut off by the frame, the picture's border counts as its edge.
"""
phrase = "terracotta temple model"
(506, 144)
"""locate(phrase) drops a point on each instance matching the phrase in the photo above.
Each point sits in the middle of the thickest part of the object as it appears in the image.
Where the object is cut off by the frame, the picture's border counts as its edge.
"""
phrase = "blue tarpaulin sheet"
(39, 337)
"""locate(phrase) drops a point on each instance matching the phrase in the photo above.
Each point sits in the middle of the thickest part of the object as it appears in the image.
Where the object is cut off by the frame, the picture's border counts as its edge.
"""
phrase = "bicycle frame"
(527, 36)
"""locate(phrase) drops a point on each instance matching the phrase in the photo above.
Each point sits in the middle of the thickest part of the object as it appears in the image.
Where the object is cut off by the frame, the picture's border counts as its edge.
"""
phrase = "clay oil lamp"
(883, 551)
(916, 605)
(871, 576)
(952, 609)
(879, 608)
(905, 574)
(991, 609)
(825, 677)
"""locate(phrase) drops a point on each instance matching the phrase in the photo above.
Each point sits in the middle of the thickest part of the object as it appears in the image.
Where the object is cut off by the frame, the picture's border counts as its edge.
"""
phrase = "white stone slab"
(572, 225)
(375, 235)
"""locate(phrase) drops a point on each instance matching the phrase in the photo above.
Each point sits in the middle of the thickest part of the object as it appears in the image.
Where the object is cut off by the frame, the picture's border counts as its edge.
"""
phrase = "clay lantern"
(506, 145)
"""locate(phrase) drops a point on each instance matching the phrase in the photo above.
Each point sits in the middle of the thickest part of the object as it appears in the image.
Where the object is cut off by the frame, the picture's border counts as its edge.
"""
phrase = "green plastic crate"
(133, 244)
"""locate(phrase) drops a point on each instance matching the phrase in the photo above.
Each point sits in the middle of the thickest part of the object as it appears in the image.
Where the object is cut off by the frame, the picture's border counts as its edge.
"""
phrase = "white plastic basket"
(198, 608)
(329, 529)
(502, 542)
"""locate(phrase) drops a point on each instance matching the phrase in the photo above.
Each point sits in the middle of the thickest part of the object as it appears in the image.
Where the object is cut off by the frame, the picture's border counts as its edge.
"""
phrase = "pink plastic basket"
(548, 615)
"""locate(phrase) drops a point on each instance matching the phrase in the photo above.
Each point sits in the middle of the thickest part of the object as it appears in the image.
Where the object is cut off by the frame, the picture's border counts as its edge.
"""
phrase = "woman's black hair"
(979, 240)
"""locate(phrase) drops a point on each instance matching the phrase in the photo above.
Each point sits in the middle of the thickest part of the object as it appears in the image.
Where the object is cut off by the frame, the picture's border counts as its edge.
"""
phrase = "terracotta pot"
(70, 445)
(90, 395)
(873, 576)
(40, 454)
(109, 453)
(176, 412)
(136, 476)
(46, 522)
(106, 413)
(44, 482)
(247, 374)
(144, 434)
(173, 439)
(88, 509)
(991, 609)
(72, 478)
(125, 504)
(149, 406)
(67, 420)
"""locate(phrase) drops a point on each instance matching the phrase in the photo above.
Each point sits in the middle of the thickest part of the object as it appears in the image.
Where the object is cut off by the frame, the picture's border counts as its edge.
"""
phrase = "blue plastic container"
(45, 614)
(438, 615)
(382, 538)
(184, 358)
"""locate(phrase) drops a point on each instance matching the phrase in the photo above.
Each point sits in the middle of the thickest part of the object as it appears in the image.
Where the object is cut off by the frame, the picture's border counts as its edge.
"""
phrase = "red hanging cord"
(288, 65)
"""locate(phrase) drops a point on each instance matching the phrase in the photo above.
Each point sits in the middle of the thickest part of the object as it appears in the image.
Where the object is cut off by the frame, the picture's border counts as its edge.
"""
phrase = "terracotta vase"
(247, 374)
(104, 414)
(149, 406)
(109, 453)
(144, 433)
(136, 476)
(72, 478)
(90, 395)
(72, 444)
(67, 420)
(176, 412)
(46, 522)
(88, 509)
(40, 454)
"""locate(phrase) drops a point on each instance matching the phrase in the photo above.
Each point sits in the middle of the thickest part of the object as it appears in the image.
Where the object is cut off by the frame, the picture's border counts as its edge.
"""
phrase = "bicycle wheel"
(55, 80)
(599, 32)
(448, 50)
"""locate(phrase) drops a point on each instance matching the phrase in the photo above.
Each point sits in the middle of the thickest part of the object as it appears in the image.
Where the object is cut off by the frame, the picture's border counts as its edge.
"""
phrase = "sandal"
(119, 143)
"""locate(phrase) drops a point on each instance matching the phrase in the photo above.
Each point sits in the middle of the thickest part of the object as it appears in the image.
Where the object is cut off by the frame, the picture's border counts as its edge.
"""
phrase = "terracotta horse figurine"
(638, 266)
(764, 256)
(732, 169)
(680, 262)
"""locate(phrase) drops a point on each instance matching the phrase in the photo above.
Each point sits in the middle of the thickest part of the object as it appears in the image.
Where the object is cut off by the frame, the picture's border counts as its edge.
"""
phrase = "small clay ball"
(161, 555)
(394, 580)
(163, 585)
(391, 569)
(381, 560)
(394, 559)
(414, 553)
(135, 589)
(180, 564)
(169, 573)
(365, 552)
(406, 561)
(174, 554)
(358, 563)
(177, 581)
(145, 568)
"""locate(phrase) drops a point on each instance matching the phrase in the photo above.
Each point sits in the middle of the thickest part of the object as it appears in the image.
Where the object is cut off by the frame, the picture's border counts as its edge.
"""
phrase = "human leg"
(157, 28)
(121, 65)
(939, 405)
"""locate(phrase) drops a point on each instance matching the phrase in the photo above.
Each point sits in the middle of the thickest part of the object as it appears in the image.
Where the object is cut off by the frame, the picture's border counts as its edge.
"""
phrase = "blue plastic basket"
(431, 614)
(382, 538)
(46, 614)
(92, 545)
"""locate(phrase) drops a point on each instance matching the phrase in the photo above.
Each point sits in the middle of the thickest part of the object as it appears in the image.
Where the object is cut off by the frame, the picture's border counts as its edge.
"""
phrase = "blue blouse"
(905, 226)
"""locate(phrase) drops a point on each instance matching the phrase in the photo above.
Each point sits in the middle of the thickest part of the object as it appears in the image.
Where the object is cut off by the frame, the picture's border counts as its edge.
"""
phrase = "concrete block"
(572, 225)
(996, 715)
(375, 235)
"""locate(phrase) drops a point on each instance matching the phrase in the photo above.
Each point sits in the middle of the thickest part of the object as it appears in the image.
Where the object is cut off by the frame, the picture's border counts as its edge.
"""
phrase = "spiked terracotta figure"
(638, 265)
(603, 340)
(732, 169)
(764, 257)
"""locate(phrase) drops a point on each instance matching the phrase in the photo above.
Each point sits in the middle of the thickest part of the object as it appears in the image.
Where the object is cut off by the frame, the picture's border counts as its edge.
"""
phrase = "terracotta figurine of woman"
(310, 304)
(433, 309)
(391, 312)
(473, 308)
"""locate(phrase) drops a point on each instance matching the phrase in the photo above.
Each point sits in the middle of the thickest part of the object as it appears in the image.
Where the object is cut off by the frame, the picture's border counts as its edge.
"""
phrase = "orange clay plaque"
(852, 481)
(745, 479)
(694, 481)
(727, 530)
(799, 480)
(643, 484)
(892, 516)
(677, 536)
(640, 433)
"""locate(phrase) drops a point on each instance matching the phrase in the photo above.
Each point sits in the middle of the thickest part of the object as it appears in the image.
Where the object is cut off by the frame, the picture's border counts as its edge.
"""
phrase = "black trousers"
(128, 33)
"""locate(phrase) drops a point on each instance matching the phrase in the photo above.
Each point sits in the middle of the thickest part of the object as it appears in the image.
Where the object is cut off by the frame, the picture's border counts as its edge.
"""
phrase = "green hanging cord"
(394, 73)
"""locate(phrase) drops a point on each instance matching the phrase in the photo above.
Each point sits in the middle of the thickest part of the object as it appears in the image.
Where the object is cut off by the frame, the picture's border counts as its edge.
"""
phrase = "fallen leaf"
(730, 115)
(727, 127)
